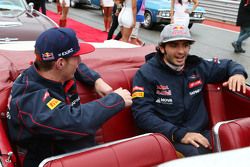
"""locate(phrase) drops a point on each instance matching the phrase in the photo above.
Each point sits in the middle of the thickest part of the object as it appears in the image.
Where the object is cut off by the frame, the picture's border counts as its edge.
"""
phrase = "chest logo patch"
(53, 103)
(195, 84)
(163, 90)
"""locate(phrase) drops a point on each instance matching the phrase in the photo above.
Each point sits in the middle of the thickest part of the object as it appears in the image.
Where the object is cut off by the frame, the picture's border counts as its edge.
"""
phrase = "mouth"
(180, 59)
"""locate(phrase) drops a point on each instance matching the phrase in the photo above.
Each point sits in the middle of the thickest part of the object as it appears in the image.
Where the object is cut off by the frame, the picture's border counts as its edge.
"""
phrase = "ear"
(162, 50)
(60, 63)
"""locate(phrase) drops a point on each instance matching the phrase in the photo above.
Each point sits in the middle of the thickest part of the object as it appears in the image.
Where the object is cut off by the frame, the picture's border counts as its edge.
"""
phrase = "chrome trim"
(217, 143)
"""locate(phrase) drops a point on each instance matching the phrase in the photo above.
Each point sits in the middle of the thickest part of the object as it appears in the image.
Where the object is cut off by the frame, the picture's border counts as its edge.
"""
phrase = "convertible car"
(19, 22)
(158, 12)
(121, 142)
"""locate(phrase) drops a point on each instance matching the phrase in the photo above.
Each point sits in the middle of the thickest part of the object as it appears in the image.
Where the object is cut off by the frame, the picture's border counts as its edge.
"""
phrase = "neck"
(174, 67)
(51, 75)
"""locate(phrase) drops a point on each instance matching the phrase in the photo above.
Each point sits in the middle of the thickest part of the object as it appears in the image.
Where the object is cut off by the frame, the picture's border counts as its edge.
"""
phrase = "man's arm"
(231, 73)
(53, 117)
(86, 75)
(92, 78)
(102, 88)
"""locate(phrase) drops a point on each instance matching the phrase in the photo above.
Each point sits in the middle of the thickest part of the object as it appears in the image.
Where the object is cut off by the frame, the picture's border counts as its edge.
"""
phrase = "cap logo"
(175, 32)
(48, 56)
(178, 28)
(66, 53)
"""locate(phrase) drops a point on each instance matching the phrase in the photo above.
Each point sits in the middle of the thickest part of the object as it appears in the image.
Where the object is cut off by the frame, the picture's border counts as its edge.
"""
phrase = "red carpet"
(83, 31)
(222, 25)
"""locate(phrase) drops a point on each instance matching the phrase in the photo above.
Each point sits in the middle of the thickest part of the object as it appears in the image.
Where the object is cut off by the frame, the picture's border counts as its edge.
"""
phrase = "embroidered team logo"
(137, 94)
(138, 88)
(178, 27)
(53, 103)
(48, 56)
(195, 84)
(163, 90)
(138, 91)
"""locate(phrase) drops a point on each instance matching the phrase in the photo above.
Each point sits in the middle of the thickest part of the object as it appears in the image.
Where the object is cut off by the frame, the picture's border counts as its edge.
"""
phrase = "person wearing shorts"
(107, 6)
(127, 19)
(139, 18)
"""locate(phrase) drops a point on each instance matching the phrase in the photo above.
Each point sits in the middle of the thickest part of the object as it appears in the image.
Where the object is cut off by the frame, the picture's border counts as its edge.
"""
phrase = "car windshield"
(9, 5)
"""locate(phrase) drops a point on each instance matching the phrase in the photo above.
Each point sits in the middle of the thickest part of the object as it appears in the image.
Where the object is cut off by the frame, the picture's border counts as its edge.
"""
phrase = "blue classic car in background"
(158, 12)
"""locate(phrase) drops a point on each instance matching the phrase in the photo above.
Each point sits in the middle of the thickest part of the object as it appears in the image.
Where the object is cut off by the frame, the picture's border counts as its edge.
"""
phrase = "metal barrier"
(221, 10)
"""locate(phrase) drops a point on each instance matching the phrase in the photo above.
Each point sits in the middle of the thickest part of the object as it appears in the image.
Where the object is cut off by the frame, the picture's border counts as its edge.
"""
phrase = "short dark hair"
(44, 66)
(160, 44)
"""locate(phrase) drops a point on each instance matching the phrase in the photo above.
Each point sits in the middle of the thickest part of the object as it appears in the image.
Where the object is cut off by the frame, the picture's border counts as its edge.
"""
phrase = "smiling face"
(176, 52)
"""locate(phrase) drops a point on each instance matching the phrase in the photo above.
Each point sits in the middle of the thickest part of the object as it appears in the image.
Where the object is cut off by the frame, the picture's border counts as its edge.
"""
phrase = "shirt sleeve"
(145, 111)
(53, 117)
(86, 75)
(220, 70)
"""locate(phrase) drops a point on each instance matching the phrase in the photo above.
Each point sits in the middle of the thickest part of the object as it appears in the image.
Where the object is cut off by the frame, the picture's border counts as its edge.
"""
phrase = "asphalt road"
(210, 41)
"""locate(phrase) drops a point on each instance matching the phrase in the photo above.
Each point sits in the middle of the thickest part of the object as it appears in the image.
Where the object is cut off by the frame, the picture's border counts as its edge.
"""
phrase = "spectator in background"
(107, 6)
(65, 10)
(116, 10)
(243, 20)
(134, 39)
(127, 19)
(179, 11)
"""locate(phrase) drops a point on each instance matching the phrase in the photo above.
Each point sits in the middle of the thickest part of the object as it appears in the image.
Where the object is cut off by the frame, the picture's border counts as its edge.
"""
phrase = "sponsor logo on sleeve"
(53, 103)
(137, 94)
(138, 88)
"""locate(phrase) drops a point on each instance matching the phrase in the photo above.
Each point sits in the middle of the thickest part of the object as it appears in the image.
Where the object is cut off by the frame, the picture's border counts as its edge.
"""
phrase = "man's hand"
(102, 88)
(235, 83)
(126, 95)
(196, 139)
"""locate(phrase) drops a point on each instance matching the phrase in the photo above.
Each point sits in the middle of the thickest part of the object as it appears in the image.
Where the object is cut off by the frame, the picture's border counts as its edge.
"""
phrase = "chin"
(179, 64)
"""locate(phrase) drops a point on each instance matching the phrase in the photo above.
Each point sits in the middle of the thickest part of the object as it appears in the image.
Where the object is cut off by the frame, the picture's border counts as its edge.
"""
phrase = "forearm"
(86, 75)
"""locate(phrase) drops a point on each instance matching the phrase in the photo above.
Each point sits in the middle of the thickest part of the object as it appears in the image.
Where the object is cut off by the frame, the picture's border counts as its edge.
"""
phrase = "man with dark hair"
(45, 114)
(168, 91)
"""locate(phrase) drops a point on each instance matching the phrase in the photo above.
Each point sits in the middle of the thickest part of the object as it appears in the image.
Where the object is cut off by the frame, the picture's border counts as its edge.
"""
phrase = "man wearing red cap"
(45, 114)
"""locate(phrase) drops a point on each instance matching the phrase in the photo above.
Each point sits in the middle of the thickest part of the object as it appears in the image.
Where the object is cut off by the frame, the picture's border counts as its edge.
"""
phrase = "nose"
(181, 49)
